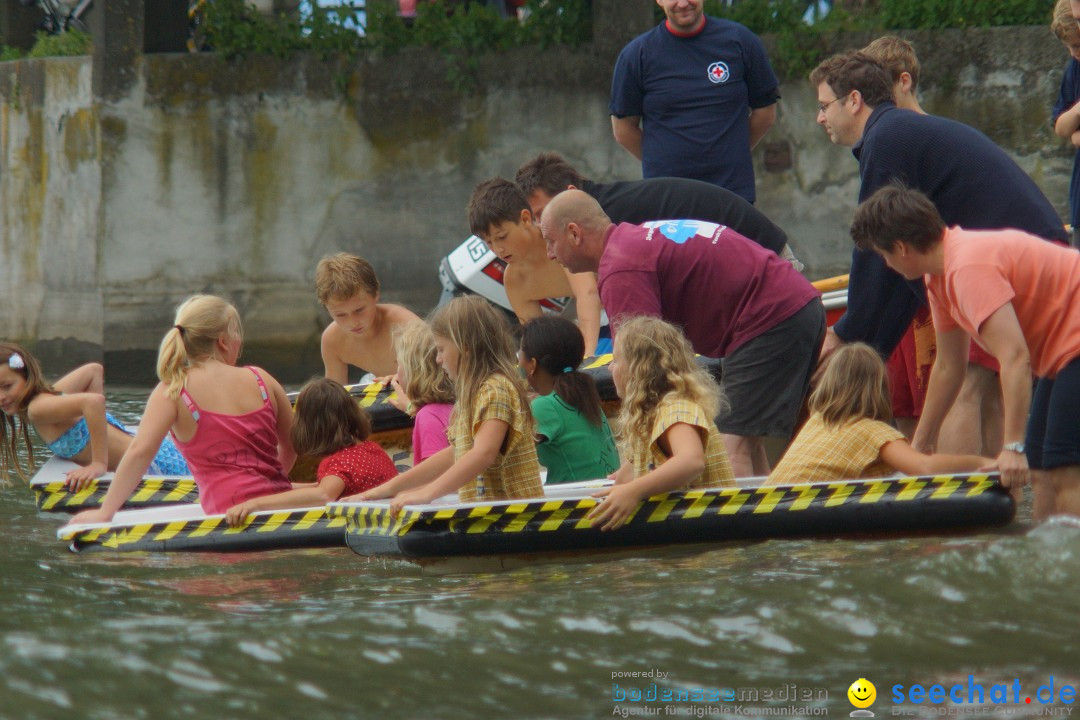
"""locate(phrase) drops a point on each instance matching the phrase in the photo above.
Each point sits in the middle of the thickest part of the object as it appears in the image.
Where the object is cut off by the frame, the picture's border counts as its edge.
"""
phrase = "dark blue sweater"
(973, 183)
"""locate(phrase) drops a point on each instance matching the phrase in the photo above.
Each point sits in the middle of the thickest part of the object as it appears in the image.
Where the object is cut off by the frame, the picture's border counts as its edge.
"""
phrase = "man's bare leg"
(963, 432)
(993, 415)
(747, 455)
(1066, 484)
(907, 426)
(1042, 493)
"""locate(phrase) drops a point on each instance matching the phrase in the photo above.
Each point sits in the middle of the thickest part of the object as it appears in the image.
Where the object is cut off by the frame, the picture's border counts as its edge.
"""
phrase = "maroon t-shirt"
(720, 287)
(362, 467)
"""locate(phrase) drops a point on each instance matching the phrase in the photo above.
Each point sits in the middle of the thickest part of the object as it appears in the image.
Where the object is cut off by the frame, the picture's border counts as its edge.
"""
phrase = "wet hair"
(16, 427)
(327, 419)
(341, 276)
(482, 337)
(855, 70)
(1063, 24)
(549, 173)
(201, 321)
(897, 213)
(558, 348)
(421, 377)
(854, 386)
(897, 56)
(657, 360)
(493, 202)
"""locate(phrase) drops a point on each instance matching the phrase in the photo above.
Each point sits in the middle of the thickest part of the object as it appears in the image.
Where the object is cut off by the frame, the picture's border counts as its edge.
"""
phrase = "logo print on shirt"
(678, 232)
(718, 72)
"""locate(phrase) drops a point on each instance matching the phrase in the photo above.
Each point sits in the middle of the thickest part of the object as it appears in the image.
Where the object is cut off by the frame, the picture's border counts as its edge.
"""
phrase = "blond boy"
(499, 214)
(898, 57)
(362, 332)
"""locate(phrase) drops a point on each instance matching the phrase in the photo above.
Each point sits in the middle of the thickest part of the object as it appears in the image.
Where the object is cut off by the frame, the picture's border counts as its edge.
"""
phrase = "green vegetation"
(800, 45)
(65, 44)
(10, 53)
(233, 28)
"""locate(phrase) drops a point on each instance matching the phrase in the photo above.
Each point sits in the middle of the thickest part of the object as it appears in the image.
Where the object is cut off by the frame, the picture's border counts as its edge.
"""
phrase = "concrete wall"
(202, 176)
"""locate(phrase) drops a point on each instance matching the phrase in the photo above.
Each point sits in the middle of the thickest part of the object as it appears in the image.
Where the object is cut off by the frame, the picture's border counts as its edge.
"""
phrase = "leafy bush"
(10, 53)
(800, 45)
(963, 13)
(72, 42)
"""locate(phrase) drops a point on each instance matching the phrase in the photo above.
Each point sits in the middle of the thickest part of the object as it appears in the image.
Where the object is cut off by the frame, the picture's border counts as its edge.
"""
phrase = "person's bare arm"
(524, 307)
(1005, 341)
(1068, 122)
(334, 368)
(946, 379)
(628, 133)
(88, 378)
(284, 414)
(761, 121)
(158, 417)
(587, 298)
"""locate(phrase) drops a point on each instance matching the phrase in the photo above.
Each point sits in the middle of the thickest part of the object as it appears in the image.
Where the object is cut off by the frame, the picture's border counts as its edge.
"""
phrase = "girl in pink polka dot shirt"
(329, 424)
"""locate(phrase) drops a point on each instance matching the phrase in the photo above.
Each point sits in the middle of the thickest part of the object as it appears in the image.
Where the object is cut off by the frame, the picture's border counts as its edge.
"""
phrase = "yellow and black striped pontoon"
(187, 528)
(557, 523)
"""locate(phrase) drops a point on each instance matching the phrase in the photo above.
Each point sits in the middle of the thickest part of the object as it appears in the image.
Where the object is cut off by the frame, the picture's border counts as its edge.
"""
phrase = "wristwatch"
(1016, 447)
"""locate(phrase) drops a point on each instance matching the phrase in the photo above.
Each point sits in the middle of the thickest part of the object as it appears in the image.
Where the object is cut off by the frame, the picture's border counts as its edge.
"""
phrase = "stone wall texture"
(235, 178)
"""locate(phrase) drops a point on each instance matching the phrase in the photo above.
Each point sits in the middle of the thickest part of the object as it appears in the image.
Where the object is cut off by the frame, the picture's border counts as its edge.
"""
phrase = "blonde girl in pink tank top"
(230, 423)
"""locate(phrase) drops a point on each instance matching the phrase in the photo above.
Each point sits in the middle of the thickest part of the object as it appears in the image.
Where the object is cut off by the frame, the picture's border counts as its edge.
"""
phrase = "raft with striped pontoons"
(51, 493)
(187, 528)
(505, 533)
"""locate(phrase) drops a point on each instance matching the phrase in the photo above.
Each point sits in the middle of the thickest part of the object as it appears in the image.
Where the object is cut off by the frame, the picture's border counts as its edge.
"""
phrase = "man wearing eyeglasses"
(972, 182)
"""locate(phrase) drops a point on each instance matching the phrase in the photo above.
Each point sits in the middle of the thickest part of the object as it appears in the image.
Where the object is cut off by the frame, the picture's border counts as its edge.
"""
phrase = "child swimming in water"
(69, 417)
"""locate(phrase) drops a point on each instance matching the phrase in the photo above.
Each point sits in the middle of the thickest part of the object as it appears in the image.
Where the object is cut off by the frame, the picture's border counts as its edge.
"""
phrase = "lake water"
(326, 634)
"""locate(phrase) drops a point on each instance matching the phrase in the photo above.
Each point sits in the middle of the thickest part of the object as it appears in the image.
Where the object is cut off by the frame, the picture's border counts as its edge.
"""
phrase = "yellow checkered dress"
(671, 410)
(516, 472)
(822, 454)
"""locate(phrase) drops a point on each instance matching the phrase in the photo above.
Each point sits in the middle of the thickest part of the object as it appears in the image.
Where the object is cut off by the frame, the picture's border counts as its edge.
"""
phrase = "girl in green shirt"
(573, 437)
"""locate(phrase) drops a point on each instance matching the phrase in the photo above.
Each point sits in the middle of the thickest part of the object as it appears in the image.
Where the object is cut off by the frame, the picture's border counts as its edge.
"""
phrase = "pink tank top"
(234, 458)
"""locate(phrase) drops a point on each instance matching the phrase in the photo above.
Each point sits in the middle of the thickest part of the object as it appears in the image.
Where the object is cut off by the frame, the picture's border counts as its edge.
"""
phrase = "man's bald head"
(573, 225)
(578, 207)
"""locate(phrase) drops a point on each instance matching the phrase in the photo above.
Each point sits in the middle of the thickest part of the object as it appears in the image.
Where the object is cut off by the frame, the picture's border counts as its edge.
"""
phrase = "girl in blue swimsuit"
(69, 417)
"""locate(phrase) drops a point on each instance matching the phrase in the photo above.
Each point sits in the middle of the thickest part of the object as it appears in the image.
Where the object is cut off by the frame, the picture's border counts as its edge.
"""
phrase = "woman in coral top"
(230, 423)
(1018, 297)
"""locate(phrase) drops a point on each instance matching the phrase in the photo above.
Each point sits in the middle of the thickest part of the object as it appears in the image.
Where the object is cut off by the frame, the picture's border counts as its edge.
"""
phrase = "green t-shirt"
(572, 449)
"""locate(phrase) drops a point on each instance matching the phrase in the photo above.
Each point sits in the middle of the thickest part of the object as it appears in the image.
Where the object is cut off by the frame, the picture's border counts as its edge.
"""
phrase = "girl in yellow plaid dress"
(492, 455)
(848, 435)
(670, 440)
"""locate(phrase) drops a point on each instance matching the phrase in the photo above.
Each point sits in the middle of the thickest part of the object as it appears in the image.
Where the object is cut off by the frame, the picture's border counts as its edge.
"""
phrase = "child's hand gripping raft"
(670, 440)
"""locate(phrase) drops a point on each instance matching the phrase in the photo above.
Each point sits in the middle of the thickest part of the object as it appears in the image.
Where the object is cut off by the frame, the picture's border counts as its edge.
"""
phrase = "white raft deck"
(51, 494)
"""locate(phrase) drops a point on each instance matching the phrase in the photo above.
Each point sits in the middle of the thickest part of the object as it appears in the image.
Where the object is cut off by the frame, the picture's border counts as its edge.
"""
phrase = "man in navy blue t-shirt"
(692, 96)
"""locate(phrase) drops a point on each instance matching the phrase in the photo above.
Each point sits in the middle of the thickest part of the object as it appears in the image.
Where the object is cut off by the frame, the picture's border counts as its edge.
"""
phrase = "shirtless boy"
(362, 332)
(499, 215)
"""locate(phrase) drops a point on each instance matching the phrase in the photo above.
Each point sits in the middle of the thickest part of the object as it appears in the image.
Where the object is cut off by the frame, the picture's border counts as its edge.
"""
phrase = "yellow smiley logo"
(862, 693)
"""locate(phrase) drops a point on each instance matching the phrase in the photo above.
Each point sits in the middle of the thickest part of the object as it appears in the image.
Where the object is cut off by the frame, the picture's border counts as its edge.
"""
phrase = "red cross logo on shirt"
(718, 72)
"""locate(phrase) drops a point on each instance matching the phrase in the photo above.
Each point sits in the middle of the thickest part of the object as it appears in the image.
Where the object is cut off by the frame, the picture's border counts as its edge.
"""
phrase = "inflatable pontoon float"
(503, 534)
